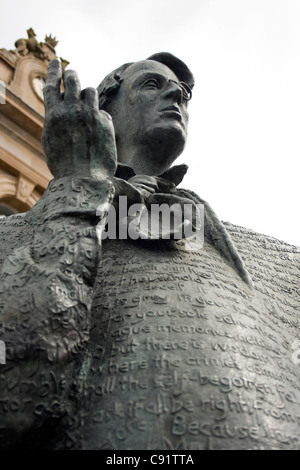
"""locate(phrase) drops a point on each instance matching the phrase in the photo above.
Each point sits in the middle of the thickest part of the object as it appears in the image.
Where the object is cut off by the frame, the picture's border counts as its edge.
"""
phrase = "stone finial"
(31, 33)
(51, 41)
(64, 63)
(31, 46)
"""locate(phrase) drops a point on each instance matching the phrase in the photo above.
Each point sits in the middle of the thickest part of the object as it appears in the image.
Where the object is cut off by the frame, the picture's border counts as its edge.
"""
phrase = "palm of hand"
(78, 139)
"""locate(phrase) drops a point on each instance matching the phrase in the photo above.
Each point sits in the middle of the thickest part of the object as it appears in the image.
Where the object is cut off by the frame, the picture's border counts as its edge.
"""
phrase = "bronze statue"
(142, 344)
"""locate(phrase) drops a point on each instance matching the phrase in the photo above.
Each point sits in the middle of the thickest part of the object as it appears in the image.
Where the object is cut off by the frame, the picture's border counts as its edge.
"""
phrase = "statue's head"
(148, 102)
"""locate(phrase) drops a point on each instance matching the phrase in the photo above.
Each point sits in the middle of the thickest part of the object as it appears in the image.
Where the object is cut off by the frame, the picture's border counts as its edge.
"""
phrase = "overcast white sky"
(244, 146)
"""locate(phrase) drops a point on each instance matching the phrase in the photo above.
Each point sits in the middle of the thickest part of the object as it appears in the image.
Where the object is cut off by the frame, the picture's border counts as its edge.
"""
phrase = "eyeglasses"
(185, 90)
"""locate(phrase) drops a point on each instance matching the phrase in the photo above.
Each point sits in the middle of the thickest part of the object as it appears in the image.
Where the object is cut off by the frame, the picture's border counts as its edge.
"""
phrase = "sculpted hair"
(109, 87)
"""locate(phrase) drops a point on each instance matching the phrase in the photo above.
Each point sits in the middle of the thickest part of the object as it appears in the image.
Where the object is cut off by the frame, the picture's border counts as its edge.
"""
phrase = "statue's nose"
(174, 90)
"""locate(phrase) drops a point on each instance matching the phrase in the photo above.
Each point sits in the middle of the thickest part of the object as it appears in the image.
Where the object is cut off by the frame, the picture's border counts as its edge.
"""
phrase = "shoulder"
(246, 237)
(273, 264)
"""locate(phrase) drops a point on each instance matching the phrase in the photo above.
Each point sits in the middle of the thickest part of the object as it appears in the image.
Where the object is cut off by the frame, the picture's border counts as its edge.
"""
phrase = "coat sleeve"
(45, 301)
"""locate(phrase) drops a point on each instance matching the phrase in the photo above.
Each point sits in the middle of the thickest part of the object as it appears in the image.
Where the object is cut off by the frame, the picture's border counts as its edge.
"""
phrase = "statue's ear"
(175, 174)
(110, 85)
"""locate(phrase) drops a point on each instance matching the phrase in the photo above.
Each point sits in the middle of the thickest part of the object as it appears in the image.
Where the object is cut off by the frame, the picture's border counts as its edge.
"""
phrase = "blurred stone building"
(24, 175)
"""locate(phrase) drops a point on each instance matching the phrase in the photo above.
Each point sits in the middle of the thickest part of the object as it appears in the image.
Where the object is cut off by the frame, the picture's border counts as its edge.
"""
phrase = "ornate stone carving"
(44, 51)
(25, 188)
(51, 41)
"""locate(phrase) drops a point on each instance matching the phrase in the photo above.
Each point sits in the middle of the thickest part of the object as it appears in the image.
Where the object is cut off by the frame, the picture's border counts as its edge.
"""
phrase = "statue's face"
(151, 110)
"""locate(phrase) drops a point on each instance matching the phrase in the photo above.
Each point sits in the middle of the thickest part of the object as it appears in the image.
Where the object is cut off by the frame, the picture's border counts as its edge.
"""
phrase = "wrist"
(71, 195)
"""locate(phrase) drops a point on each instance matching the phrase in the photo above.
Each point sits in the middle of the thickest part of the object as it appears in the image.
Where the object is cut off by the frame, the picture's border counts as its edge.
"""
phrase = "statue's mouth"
(172, 110)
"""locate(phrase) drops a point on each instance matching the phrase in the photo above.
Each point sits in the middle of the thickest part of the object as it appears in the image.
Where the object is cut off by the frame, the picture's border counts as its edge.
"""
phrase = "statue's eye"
(151, 83)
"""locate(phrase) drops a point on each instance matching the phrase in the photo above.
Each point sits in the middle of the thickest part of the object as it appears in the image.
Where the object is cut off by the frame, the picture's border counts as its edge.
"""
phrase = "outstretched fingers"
(52, 87)
(90, 98)
(72, 86)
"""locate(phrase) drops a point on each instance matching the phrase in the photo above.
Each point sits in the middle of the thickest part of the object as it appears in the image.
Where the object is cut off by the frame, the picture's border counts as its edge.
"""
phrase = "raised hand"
(78, 139)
